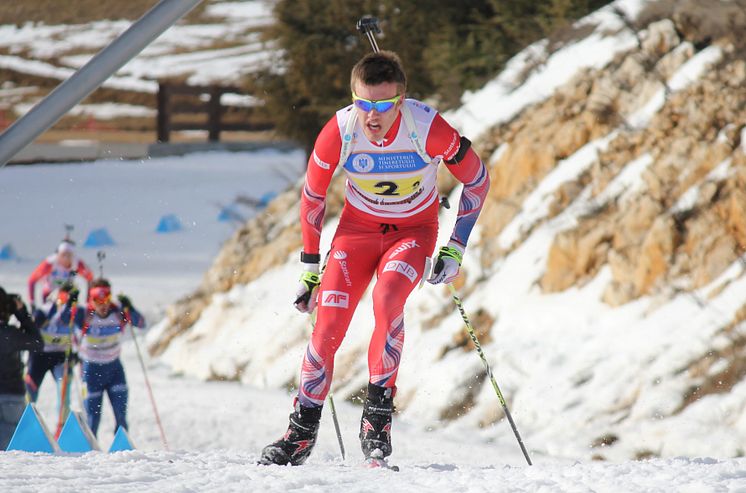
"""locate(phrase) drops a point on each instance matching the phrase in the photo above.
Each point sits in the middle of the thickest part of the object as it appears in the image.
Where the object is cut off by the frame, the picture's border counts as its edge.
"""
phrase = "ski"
(369, 463)
(377, 463)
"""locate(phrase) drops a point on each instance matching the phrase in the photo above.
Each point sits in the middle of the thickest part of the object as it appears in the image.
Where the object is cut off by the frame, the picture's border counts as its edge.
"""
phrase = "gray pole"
(91, 75)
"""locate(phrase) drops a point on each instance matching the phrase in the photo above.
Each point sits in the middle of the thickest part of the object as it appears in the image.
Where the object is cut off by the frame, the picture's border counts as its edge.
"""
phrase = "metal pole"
(91, 75)
(336, 425)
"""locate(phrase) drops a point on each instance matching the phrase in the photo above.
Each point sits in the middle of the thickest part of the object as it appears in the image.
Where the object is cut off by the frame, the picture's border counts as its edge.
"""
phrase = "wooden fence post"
(175, 100)
(164, 112)
(214, 111)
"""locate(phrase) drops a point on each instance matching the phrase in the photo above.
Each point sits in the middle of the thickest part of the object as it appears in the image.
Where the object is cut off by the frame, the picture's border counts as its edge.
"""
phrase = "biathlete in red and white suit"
(55, 270)
(388, 227)
(390, 149)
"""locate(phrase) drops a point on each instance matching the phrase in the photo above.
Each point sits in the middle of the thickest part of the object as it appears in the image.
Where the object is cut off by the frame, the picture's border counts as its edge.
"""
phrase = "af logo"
(362, 163)
(336, 299)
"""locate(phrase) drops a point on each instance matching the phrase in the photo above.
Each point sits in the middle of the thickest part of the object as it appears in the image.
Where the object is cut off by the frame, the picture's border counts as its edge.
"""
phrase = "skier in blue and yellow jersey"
(59, 341)
(102, 328)
(390, 148)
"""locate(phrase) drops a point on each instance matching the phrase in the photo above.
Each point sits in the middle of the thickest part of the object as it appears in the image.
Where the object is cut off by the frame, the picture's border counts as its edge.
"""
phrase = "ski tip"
(376, 463)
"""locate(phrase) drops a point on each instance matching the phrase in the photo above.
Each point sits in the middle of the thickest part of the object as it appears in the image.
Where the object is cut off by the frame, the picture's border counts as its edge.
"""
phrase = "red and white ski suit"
(388, 227)
(52, 275)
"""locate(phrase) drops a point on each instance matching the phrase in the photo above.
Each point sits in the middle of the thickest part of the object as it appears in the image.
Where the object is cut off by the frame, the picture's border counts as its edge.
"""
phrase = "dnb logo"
(362, 163)
(336, 299)
(402, 268)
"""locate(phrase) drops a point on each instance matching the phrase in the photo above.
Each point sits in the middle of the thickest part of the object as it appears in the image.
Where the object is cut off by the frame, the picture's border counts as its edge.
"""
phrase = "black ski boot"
(297, 443)
(375, 425)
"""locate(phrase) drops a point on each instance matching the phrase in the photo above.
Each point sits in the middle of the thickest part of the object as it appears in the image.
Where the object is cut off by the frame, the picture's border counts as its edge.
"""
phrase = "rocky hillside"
(607, 278)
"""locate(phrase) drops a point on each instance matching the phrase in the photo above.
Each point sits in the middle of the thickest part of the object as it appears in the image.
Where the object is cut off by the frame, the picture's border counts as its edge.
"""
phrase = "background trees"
(447, 48)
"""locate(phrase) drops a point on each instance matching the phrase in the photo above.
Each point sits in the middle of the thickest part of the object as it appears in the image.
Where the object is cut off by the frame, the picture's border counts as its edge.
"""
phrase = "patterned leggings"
(397, 255)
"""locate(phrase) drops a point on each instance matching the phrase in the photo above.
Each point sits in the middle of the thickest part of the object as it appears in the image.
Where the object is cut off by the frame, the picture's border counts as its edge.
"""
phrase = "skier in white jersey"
(102, 327)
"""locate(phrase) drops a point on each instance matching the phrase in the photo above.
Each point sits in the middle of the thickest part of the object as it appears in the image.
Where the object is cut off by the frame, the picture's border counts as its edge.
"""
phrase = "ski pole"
(336, 425)
(66, 374)
(147, 384)
(368, 26)
(80, 393)
(474, 339)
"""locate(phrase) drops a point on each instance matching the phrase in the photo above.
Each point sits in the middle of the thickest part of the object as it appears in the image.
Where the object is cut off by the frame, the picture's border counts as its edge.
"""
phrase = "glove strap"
(451, 252)
(310, 279)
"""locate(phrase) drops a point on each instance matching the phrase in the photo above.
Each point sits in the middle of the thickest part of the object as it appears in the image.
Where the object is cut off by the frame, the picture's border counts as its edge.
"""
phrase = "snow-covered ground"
(216, 430)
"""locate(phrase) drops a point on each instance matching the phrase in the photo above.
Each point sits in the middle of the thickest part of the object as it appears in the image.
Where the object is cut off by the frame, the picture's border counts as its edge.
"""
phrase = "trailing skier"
(55, 270)
(53, 321)
(101, 330)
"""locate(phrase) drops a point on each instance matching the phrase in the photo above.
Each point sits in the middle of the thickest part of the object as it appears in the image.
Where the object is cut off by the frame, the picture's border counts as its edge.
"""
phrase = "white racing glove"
(308, 286)
(447, 264)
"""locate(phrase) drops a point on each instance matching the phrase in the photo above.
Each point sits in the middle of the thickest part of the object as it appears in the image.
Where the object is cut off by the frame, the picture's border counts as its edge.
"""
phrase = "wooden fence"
(176, 101)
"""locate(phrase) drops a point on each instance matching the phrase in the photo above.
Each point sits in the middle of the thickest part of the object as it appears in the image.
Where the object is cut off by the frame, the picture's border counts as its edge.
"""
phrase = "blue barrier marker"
(32, 434)
(7, 252)
(121, 441)
(76, 436)
(168, 224)
(98, 238)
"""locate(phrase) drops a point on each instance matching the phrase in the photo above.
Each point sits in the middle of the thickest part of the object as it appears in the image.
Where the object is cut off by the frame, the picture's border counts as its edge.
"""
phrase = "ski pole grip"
(368, 26)
(368, 23)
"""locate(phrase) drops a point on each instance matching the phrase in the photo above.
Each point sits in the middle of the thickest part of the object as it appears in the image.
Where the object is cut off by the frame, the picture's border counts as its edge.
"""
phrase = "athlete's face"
(102, 309)
(65, 259)
(375, 124)
(101, 299)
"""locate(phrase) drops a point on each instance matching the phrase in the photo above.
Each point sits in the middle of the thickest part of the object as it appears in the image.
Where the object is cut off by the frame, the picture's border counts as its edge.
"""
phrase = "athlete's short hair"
(378, 68)
(100, 283)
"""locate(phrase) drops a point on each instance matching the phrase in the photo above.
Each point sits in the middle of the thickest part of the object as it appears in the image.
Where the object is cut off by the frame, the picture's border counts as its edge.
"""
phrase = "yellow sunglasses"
(381, 105)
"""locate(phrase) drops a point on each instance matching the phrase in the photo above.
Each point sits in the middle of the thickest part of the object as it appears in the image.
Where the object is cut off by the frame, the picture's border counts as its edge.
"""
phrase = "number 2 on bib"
(386, 188)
